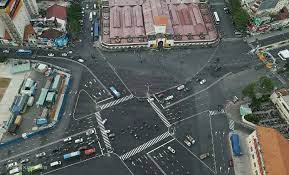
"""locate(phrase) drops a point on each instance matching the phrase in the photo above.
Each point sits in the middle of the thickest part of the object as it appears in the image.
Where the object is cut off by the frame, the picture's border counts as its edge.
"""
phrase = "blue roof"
(96, 29)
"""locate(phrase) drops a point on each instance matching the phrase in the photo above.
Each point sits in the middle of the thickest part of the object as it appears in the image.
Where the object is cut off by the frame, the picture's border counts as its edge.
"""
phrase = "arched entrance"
(160, 44)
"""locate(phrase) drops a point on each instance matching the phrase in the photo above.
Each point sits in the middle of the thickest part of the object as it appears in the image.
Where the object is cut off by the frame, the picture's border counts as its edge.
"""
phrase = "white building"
(280, 98)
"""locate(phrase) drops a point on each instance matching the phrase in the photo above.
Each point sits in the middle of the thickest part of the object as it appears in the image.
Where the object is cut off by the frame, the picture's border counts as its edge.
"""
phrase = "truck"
(32, 169)
(30, 101)
(18, 120)
(71, 155)
(44, 113)
(205, 155)
(41, 121)
(16, 170)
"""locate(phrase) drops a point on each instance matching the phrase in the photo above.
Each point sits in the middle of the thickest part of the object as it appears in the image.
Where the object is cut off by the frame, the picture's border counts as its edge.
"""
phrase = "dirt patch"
(4, 83)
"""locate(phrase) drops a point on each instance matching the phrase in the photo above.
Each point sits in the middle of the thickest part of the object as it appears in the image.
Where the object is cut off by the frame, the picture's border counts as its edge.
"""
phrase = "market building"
(156, 23)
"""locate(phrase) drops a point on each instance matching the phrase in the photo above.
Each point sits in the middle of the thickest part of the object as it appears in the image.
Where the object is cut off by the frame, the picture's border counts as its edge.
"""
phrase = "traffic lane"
(142, 165)
(102, 165)
(133, 123)
(220, 132)
(180, 162)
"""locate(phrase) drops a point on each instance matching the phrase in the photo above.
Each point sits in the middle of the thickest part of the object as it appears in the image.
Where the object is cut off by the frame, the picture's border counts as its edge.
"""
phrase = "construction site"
(36, 101)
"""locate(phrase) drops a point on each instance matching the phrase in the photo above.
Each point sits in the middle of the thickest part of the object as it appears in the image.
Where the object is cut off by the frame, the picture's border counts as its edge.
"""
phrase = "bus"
(70, 155)
(24, 52)
(31, 169)
(90, 16)
(217, 19)
(114, 92)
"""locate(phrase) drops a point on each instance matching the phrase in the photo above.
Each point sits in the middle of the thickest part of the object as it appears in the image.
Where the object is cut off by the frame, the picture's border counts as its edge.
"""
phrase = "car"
(51, 54)
(64, 54)
(39, 155)
(91, 29)
(161, 95)
(70, 52)
(86, 6)
(24, 161)
(203, 81)
(89, 151)
(171, 149)
(56, 163)
(111, 135)
(80, 60)
(68, 139)
(181, 87)
(205, 155)
(89, 132)
(11, 165)
(94, 13)
(187, 142)
(191, 139)
(78, 140)
(5, 51)
(231, 163)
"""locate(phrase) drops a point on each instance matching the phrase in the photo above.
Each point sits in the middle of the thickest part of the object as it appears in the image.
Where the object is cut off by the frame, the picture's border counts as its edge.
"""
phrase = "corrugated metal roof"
(42, 97)
(50, 96)
(29, 83)
(56, 82)
(268, 4)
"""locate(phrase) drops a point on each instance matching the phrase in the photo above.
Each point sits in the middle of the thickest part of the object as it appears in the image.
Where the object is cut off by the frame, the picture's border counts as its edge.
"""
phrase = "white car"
(203, 81)
(64, 54)
(70, 52)
(86, 6)
(80, 60)
(78, 140)
(67, 139)
(24, 161)
(191, 139)
(40, 154)
(51, 54)
(89, 132)
(5, 51)
(187, 143)
(171, 149)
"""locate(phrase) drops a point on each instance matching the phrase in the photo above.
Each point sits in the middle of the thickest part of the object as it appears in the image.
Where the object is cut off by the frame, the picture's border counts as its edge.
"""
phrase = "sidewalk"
(252, 39)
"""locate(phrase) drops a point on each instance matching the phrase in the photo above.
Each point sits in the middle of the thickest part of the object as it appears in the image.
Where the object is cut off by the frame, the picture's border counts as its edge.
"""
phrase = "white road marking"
(160, 114)
(115, 102)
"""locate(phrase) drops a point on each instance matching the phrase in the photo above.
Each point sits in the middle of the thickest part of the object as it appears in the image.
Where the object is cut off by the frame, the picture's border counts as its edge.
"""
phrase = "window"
(256, 172)
(285, 107)
(253, 156)
(254, 164)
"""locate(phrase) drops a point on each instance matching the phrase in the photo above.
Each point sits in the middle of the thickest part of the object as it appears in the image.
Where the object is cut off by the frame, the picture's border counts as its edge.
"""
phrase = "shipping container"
(30, 101)
(41, 121)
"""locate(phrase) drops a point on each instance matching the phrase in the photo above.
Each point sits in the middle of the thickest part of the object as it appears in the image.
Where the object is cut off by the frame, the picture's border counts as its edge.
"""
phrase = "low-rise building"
(280, 98)
(268, 152)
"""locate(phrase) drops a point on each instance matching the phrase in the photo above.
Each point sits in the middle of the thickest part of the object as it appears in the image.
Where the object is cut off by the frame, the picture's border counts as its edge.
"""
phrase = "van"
(169, 98)
(56, 163)
(181, 87)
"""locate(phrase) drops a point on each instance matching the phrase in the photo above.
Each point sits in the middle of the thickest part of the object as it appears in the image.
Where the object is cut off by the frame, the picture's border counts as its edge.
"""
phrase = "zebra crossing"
(216, 112)
(145, 146)
(115, 102)
(160, 114)
(103, 133)
(231, 125)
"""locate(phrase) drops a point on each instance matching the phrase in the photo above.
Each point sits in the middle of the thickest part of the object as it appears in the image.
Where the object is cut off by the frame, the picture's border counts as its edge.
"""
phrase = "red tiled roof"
(56, 11)
(160, 20)
(27, 31)
(275, 150)
(51, 34)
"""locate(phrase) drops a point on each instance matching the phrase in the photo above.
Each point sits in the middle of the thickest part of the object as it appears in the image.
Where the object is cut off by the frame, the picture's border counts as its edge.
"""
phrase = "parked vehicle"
(11, 165)
(203, 81)
(169, 98)
(191, 139)
(51, 54)
(32, 169)
(205, 155)
(187, 142)
(5, 51)
(171, 150)
(89, 132)
(181, 87)
(24, 161)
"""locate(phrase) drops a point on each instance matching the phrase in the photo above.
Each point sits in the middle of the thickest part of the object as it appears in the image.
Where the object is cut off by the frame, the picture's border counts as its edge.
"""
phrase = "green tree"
(73, 27)
(73, 17)
(241, 19)
(256, 103)
(249, 90)
(266, 84)
(252, 118)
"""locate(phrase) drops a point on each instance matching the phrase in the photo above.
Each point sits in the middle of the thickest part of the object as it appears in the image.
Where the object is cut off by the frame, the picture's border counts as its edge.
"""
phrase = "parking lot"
(85, 145)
